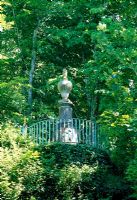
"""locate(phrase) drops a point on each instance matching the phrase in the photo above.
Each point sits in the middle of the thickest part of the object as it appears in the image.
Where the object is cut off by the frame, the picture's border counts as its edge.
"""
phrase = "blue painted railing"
(73, 131)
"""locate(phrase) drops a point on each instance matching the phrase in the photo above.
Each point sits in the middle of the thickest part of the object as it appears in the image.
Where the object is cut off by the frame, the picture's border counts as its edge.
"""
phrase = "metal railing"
(73, 131)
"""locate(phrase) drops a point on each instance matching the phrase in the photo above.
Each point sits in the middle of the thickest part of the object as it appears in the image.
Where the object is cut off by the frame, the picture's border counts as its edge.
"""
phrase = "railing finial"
(65, 87)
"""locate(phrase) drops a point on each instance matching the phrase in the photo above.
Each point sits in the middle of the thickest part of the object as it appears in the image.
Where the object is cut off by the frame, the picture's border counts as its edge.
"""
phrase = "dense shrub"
(80, 172)
(132, 175)
(55, 171)
(20, 168)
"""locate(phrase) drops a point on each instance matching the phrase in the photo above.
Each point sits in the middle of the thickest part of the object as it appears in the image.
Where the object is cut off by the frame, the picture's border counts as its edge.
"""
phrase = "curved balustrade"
(73, 131)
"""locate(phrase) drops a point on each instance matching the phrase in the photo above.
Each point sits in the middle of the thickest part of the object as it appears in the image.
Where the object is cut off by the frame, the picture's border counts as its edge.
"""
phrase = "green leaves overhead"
(98, 40)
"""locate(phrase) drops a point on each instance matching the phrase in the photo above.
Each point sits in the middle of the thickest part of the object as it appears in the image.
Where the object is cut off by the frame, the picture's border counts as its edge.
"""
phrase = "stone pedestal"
(65, 112)
(67, 130)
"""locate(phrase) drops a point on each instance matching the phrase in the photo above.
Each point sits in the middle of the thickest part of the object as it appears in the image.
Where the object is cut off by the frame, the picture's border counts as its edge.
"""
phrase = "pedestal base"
(67, 132)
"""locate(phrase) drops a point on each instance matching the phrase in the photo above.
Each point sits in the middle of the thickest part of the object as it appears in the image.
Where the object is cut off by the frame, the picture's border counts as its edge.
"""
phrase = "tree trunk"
(32, 69)
(92, 100)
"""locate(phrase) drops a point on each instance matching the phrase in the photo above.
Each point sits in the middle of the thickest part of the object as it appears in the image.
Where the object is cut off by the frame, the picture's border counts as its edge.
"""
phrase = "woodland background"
(96, 41)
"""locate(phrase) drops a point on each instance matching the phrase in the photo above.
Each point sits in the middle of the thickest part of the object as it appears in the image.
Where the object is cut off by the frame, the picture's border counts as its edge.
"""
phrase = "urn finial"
(65, 87)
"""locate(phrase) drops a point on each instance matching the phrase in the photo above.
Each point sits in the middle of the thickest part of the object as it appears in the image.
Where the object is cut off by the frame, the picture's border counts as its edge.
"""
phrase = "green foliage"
(78, 35)
(120, 133)
(81, 172)
(96, 42)
(55, 171)
(19, 165)
(131, 175)
(12, 101)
